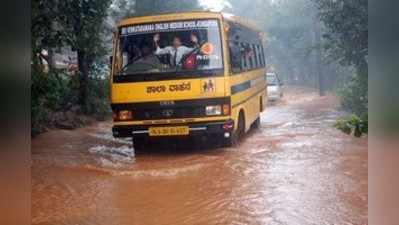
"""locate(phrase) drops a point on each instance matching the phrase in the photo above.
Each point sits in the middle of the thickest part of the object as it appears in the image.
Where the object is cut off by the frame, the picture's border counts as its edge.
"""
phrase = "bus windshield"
(272, 80)
(169, 48)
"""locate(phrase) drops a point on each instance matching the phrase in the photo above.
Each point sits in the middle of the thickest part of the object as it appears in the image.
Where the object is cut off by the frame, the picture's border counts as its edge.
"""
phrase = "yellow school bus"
(192, 74)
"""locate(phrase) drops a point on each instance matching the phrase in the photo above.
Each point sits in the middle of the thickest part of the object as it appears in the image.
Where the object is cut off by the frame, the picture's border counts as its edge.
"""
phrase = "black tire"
(138, 144)
(256, 123)
(237, 134)
(241, 126)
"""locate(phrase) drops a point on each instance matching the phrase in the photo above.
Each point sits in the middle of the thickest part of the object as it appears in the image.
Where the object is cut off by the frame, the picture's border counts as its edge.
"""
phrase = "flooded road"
(295, 169)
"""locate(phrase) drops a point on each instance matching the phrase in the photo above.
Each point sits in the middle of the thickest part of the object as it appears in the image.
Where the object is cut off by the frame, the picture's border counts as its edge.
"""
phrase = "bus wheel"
(241, 125)
(256, 123)
(237, 134)
(138, 144)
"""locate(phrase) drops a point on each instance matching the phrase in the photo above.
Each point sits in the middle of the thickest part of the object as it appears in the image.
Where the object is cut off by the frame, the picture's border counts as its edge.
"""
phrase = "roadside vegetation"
(321, 44)
(81, 32)
(346, 23)
(70, 96)
(316, 43)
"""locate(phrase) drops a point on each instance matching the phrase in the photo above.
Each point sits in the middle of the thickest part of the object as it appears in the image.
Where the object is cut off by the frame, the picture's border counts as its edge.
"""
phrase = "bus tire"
(237, 134)
(138, 144)
(256, 123)
(241, 125)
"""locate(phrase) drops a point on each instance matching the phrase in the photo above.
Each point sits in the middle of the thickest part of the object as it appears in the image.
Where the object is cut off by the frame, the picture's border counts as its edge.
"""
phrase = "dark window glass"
(235, 59)
(259, 55)
(243, 57)
(263, 56)
(250, 56)
(255, 56)
(250, 51)
(272, 79)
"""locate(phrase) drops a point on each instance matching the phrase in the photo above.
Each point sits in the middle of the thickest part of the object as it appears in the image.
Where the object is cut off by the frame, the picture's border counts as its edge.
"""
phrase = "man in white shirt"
(177, 50)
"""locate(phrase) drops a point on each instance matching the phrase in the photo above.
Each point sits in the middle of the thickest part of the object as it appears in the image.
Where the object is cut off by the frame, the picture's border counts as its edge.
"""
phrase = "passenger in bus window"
(134, 53)
(177, 50)
(147, 56)
(235, 56)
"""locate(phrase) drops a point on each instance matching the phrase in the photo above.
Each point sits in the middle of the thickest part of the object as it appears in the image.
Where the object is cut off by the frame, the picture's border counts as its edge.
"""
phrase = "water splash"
(113, 154)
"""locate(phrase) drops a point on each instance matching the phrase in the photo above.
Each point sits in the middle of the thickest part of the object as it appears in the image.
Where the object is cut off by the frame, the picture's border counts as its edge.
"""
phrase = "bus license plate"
(168, 131)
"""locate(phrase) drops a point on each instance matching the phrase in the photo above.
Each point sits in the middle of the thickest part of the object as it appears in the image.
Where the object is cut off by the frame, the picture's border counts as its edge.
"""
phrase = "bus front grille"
(168, 113)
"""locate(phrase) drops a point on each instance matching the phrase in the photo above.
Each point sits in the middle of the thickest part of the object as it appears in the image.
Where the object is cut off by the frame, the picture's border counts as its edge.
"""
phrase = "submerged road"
(295, 169)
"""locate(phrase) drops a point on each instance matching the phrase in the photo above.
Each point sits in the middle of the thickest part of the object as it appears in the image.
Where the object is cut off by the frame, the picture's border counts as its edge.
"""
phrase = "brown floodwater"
(295, 169)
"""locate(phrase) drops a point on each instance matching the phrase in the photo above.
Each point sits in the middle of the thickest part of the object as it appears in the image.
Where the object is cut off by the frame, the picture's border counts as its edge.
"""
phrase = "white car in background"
(274, 87)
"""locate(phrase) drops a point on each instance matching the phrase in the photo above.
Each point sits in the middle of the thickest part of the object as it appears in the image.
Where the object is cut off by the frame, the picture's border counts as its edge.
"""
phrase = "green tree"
(346, 36)
(70, 23)
(293, 47)
(347, 30)
(144, 7)
(44, 32)
(82, 22)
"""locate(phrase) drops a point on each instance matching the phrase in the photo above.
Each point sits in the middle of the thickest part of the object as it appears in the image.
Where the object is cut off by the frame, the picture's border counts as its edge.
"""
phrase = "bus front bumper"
(224, 128)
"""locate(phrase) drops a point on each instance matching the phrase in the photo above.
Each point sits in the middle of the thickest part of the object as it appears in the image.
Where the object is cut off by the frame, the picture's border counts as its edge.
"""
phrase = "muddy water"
(296, 169)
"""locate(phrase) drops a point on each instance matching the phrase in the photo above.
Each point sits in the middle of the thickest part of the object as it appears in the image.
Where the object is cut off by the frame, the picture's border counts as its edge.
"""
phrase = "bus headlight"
(213, 110)
(125, 115)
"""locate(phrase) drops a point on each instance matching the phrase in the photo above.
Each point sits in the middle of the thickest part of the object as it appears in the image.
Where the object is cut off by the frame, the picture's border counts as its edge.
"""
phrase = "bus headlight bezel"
(124, 115)
(213, 110)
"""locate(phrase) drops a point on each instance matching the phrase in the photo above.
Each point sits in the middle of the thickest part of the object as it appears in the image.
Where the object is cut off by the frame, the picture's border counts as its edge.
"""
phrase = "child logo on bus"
(208, 86)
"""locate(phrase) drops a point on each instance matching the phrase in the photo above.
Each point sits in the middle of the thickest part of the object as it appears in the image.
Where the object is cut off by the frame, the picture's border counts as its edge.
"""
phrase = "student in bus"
(134, 53)
(177, 50)
(147, 56)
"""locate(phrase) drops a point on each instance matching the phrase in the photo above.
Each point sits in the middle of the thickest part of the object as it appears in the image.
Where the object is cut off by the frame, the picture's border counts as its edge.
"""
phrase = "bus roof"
(242, 21)
(189, 15)
(170, 17)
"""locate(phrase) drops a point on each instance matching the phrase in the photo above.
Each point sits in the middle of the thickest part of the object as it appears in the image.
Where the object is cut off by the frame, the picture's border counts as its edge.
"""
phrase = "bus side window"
(235, 57)
(263, 56)
(255, 56)
(243, 58)
(259, 55)
(250, 56)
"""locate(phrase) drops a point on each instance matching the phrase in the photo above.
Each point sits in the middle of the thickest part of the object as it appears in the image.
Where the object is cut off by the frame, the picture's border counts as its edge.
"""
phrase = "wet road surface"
(295, 169)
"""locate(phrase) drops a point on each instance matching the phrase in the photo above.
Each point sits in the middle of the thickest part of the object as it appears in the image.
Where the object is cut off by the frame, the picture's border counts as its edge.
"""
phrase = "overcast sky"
(215, 5)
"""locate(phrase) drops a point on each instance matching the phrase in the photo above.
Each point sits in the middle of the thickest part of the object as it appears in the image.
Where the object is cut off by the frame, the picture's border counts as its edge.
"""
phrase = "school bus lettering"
(186, 86)
(156, 89)
(180, 87)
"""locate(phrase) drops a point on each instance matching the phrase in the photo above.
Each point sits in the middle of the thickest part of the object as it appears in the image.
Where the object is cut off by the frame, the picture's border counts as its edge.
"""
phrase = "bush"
(354, 125)
(98, 99)
(50, 92)
(56, 92)
(98, 90)
(353, 97)
(354, 94)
